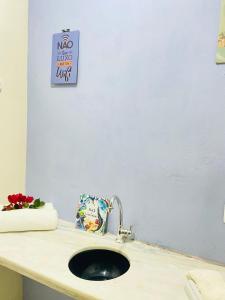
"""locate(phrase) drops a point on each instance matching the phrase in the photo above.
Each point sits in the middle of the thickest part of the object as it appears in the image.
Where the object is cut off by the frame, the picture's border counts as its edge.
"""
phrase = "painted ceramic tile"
(92, 214)
(220, 55)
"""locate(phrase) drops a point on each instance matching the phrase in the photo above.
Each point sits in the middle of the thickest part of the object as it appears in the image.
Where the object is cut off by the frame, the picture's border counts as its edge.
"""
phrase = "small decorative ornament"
(20, 201)
(92, 214)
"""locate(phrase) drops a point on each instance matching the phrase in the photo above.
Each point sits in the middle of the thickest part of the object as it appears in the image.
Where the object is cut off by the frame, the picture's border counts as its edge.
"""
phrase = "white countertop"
(154, 274)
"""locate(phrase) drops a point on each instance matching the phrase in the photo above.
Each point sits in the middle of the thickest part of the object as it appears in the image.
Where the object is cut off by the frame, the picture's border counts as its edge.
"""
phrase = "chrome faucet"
(123, 234)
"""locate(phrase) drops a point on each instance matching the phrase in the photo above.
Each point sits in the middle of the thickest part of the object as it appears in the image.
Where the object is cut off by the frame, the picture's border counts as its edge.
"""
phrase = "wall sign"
(220, 54)
(65, 51)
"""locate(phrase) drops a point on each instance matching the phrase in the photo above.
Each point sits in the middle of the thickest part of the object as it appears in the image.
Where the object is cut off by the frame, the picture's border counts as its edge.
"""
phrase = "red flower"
(29, 199)
(19, 201)
(10, 198)
(13, 198)
(19, 198)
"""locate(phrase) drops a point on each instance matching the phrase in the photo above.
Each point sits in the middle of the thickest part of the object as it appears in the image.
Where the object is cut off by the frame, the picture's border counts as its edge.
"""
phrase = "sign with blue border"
(65, 52)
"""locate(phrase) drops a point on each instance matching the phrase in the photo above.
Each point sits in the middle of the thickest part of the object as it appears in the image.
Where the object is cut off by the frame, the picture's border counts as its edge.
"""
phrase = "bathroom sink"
(98, 265)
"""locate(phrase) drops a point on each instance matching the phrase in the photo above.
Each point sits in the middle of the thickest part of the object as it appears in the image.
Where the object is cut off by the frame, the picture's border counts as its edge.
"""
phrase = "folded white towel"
(44, 218)
(205, 285)
(192, 291)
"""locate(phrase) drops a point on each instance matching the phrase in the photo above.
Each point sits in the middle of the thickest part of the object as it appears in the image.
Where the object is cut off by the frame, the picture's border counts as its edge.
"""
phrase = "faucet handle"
(131, 228)
(130, 233)
(126, 234)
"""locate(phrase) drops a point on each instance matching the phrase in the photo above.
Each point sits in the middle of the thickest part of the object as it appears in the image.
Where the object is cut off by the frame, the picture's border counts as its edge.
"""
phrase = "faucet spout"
(123, 234)
(120, 206)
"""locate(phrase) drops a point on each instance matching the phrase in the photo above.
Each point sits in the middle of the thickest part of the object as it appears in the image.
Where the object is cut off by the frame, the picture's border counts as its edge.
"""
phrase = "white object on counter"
(44, 218)
(192, 291)
(205, 285)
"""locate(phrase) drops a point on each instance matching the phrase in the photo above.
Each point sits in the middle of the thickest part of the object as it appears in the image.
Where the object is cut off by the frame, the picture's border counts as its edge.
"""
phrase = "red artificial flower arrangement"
(19, 201)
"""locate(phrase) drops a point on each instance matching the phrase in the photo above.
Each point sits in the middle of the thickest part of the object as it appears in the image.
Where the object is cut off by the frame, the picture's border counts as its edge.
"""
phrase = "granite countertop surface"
(154, 274)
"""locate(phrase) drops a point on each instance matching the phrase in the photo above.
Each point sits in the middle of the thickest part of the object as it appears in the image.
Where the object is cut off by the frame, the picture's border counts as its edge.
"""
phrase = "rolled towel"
(44, 218)
(192, 291)
(205, 285)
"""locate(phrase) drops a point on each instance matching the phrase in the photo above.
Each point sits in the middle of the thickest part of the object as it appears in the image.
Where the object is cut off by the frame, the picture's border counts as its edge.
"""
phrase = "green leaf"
(37, 203)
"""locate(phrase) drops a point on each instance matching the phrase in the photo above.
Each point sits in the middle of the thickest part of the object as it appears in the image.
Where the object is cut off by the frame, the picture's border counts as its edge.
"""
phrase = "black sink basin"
(98, 265)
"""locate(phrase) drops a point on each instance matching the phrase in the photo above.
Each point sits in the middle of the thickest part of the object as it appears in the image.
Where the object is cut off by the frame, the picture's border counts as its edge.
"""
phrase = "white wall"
(11, 285)
(13, 109)
(13, 95)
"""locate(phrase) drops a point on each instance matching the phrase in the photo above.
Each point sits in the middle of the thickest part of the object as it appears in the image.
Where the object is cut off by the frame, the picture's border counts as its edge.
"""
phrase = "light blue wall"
(146, 121)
